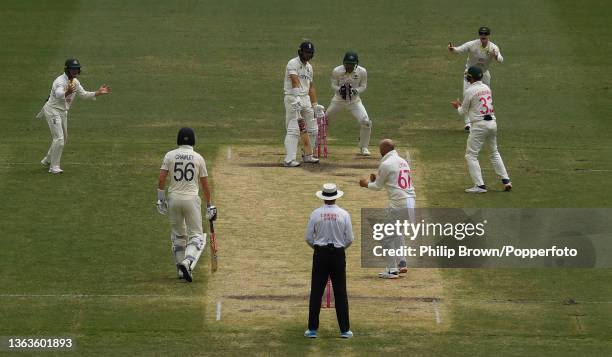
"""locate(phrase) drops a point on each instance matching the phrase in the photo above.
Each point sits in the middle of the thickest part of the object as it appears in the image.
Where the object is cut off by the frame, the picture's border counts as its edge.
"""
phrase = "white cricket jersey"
(394, 175)
(304, 73)
(478, 55)
(185, 167)
(58, 90)
(477, 102)
(358, 79)
(330, 224)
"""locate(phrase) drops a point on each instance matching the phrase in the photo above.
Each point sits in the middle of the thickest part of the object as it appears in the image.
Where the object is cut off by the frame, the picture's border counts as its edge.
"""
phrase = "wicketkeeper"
(186, 168)
(349, 81)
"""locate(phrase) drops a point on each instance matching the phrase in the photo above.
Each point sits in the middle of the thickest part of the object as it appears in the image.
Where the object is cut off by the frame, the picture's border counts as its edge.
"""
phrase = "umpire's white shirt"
(330, 224)
(477, 102)
(304, 73)
(185, 167)
(478, 55)
(394, 175)
(57, 98)
(358, 79)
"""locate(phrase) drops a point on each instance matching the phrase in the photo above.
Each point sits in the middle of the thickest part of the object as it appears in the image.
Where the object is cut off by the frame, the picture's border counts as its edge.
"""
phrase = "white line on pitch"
(229, 152)
(437, 312)
(218, 310)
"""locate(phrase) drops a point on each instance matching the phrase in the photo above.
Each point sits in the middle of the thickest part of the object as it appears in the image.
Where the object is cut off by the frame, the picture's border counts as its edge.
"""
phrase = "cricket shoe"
(364, 152)
(389, 274)
(185, 267)
(309, 159)
(476, 189)
(56, 170)
(403, 269)
(467, 128)
(347, 334)
(310, 333)
(45, 163)
(291, 163)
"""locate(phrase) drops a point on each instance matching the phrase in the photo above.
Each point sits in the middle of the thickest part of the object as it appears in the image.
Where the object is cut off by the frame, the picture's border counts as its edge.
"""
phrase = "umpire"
(329, 232)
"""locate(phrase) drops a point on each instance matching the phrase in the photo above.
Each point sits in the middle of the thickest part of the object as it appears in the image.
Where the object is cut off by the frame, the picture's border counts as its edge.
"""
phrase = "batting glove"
(162, 204)
(211, 212)
(354, 92)
(319, 110)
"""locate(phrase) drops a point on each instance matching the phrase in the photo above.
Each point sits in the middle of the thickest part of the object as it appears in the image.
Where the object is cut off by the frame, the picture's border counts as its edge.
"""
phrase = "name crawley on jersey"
(183, 157)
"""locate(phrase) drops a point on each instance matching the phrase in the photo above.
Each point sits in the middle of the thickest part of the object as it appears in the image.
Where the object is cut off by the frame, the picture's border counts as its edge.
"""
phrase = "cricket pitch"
(264, 262)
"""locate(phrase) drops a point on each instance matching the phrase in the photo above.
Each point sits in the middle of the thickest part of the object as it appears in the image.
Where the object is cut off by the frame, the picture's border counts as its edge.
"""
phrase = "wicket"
(328, 294)
(322, 137)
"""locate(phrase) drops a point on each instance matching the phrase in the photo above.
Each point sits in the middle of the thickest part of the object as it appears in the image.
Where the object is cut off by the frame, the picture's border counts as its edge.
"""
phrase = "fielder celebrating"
(301, 106)
(348, 82)
(394, 176)
(63, 92)
(481, 53)
(188, 168)
(478, 106)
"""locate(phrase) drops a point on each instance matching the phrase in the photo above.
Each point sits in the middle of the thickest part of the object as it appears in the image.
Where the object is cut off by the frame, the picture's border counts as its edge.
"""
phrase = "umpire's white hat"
(329, 192)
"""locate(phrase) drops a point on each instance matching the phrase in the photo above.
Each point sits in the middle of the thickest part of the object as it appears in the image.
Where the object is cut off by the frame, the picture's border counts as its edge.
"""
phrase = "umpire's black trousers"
(328, 261)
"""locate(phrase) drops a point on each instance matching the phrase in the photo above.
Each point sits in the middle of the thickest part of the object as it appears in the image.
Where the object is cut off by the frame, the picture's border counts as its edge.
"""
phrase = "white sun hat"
(329, 192)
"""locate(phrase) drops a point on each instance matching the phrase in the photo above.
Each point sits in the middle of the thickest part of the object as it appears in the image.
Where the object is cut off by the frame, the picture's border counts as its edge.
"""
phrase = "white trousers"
(58, 125)
(483, 133)
(356, 108)
(486, 79)
(395, 212)
(292, 138)
(185, 213)
(188, 240)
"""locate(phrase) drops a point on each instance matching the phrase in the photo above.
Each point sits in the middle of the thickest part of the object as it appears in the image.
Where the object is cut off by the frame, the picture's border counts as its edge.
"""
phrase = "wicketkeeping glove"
(343, 91)
(211, 212)
(162, 204)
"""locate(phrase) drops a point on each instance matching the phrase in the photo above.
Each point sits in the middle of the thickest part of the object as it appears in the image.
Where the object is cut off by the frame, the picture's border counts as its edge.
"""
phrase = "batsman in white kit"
(301, 106)
(187, 170)
(394, 175)
(63, 93)
(481, 53)
(478, 106)
(348, 82)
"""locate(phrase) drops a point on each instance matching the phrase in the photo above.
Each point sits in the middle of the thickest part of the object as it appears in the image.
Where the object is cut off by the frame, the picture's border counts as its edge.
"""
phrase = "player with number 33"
(478, 106)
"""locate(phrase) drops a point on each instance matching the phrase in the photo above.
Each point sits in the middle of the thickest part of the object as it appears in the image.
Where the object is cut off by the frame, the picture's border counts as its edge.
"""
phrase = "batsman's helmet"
(484, 31)
(474, 72)
(72, 63)
(186, 136)
(351, 58)
(306, 47)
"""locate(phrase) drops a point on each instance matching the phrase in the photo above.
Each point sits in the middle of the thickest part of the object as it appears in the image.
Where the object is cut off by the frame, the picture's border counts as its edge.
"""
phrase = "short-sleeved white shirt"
(185, 167)
(303, 71)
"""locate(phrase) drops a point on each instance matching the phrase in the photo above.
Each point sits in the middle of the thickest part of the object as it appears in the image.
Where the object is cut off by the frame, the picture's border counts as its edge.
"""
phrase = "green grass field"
(86, 254)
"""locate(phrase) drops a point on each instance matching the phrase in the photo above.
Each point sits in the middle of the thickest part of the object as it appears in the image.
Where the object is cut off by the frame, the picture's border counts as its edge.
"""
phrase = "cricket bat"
(213, 248)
